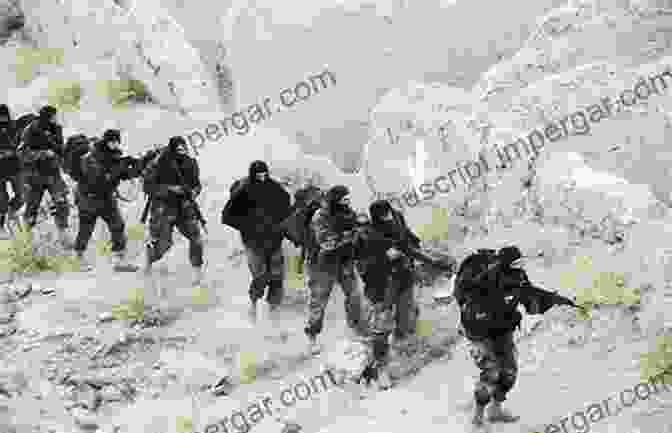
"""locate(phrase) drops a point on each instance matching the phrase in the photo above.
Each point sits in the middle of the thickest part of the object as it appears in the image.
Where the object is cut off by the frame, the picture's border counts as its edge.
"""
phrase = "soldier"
(102, 169)
(41, 153)
(488, 288)
(391, 224)
(331, 260)
(257, 206)
(172, 182)
(10, 169)
(380, 264)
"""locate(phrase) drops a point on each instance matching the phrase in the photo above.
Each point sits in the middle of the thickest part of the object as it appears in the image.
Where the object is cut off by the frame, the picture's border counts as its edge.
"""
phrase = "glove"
(393, 253)
(176, 189)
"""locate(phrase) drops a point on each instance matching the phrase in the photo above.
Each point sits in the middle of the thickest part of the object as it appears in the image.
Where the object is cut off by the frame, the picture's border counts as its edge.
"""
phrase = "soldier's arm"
(285, 204)
(150, 174)
(91, 173)
(194, 181)
(58, 141)
(326, 238)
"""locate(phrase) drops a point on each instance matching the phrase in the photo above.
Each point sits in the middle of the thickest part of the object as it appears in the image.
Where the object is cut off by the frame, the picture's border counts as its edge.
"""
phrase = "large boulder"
(579, 33)
(146, 42)
(381, 35)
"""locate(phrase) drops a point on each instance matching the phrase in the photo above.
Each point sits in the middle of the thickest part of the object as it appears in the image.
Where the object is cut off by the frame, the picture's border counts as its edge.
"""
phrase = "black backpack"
(296, 227)
(75, 148)
(485, 309)
(21, 124)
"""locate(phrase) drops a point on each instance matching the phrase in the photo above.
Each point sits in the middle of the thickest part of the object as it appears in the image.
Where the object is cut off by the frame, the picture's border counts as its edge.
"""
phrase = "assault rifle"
(145, 160)
(411, 251)
(548, 299)
(189, 197)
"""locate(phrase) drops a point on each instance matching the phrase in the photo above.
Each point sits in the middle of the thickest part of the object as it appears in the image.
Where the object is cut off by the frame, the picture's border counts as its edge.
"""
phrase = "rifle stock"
(145, 211)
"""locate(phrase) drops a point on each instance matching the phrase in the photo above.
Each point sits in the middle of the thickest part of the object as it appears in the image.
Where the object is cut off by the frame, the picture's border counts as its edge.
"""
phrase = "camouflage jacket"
(335, 236)
(102, 174)
(36, 143)
(161, 173)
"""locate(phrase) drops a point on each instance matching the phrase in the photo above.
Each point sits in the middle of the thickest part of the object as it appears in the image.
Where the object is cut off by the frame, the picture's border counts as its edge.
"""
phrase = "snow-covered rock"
(380, 34)
(142, 37)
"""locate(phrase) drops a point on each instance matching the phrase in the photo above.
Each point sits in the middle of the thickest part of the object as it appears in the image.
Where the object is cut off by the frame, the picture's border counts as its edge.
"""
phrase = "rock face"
(145, 40)
(551, 95)
(379, 34)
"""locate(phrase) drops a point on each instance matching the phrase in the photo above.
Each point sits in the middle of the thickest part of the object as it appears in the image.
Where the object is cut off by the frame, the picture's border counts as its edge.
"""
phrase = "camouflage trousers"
(164, 217)
(13, 205)
(380, 320)
(497, 358)
(107, 208)
(267, 269)
(321, 280)
(36, 184)
(407, 310)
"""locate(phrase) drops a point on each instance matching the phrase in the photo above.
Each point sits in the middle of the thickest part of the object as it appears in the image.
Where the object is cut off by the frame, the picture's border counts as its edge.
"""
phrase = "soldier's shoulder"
(321, 214)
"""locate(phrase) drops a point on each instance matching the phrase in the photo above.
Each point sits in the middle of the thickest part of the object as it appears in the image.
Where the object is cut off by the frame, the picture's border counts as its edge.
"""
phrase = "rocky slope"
(68, 366)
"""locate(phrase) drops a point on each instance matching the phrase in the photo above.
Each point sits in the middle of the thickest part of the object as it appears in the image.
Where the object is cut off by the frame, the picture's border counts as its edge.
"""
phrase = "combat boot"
(197, 276)
(119, 263)
(314, 348)
(496, 413)
(64, 239)
(4, 235)
(84, 265)
(384, 381)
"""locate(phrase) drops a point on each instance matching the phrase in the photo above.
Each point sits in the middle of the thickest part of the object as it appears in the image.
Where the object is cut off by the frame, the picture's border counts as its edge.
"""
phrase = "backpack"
(485, 310)
(21, 124)
(75, 148)
(297, 228)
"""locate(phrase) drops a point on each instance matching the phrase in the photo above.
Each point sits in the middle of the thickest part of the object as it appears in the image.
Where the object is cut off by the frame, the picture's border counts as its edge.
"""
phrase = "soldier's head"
(5, 115)
(380, 211)
(510, 255)
(258, 171)
(48, 114)
(338, 198)
(177, 145)
(112, 140)
(306, 195)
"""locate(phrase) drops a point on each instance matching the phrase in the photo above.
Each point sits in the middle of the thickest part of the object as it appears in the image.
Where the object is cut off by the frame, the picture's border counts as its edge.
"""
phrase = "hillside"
(419, 90)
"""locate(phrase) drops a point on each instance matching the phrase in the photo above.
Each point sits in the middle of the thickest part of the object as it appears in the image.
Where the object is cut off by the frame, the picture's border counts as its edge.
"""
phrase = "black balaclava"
(4, 112)
(257, 167)
(378, 209)
(173, 144)
(334, 195)
(509, 255)
(109, 135)
(46, 112)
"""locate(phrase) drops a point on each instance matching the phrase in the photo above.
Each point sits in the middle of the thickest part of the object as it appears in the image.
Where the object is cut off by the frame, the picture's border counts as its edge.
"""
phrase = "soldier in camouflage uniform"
(488, 301)
(172, 181)
(101, 172)
(10, 169)
(331, 260)
(379, 263)
(42, 152)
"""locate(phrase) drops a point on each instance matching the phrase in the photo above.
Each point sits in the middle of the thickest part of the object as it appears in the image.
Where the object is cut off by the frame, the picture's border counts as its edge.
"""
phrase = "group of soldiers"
(337, 245)
(34, 158)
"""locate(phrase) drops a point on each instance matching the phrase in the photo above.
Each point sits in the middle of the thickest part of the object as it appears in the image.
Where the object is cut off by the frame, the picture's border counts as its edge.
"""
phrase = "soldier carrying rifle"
(172, 182)
(488, 288)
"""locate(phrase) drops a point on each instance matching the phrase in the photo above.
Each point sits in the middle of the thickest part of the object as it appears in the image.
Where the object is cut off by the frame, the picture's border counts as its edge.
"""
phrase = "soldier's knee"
(482, 395)
(380, 348)
(507, 379)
